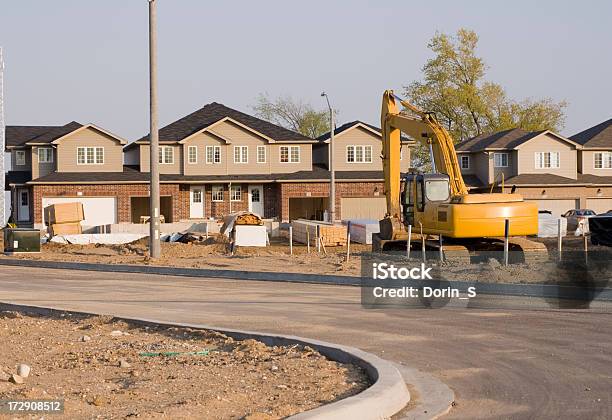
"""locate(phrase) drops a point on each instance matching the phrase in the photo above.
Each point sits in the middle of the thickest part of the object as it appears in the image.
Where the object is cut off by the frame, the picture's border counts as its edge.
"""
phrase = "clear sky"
(87, 60)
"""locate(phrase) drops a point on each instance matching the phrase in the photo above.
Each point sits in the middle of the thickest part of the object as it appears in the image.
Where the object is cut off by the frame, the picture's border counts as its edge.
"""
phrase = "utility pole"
(2, 143)
(154, 244)
(332, 171)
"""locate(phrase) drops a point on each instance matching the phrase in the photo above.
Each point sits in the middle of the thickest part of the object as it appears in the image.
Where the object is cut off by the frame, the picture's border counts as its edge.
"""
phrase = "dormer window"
(500, 160)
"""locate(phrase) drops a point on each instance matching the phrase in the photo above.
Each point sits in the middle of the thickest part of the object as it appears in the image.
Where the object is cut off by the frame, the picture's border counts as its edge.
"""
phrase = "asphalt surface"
(512, 359)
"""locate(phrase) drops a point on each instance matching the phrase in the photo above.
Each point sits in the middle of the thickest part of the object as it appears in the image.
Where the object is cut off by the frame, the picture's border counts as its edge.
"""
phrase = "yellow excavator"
(438, 202)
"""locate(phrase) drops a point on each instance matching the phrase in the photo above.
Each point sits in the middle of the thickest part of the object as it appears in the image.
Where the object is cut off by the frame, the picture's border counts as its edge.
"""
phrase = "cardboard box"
(73, 228)
(65, 213)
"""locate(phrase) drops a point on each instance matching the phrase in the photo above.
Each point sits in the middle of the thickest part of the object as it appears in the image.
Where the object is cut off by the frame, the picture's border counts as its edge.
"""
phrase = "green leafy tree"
(454, 87)
(293, 115)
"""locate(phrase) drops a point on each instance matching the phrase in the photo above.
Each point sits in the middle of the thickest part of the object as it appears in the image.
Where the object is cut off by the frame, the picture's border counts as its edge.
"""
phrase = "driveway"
(501, 363)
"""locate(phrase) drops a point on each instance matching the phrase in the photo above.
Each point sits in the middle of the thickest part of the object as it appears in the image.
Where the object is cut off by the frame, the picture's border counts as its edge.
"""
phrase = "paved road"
(501, 363)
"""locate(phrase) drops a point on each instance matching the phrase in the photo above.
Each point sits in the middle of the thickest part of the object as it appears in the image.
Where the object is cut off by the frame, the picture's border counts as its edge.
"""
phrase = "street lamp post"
(332, 171)
(154, 243)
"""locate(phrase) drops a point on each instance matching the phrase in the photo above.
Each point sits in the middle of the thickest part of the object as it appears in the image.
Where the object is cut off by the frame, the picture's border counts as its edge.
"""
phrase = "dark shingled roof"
(19, 135)
(507, 139)
(345, 127)
(599, 136)
(550, 179)
(472, 181)
(16, 177)
(214, 112)
(131, 174)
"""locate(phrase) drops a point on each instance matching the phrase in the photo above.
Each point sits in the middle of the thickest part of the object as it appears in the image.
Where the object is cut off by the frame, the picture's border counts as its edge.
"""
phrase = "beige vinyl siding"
(174, 168)
(200, 141)
(358, 136)
(587, 163)
(89, 137)
(242, 137)
(28, 160)
(470, 170)
(509, 171)
(42, 169)
(305, 163)
(481, 166)
(547, 143)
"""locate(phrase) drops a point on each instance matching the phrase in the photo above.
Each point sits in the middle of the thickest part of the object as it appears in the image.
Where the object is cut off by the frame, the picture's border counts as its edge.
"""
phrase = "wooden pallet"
(306, 230)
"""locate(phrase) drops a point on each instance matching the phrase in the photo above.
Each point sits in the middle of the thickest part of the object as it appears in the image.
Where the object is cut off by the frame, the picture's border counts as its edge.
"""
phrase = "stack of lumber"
(65, 218)
(306, 230)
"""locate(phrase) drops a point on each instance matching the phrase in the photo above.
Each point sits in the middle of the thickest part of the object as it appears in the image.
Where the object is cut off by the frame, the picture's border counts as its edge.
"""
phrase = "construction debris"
(326, 234)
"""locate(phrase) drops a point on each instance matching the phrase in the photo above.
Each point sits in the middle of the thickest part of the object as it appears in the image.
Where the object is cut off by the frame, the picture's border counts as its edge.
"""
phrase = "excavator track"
(522, 250)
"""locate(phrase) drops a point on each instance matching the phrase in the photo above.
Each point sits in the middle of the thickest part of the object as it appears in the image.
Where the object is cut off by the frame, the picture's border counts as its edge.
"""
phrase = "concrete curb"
(439, 397)
(386, 397)
(498, 289)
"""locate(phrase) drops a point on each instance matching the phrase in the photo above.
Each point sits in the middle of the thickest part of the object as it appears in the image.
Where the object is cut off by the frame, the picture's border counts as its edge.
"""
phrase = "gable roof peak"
(598, 136)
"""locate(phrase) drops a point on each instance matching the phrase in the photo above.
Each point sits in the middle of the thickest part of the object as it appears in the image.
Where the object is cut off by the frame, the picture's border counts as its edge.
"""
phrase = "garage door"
(599, 205)
(557, 207)
(373, 208)
(97, 210)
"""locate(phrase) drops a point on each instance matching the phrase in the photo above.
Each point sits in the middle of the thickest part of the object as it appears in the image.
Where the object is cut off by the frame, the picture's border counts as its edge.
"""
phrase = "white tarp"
(247, 235)
(548, 226)
(98, 238)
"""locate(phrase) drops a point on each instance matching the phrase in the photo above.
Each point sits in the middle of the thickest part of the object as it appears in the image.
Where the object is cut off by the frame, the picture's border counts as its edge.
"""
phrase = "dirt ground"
(95, 364)
(213, 254)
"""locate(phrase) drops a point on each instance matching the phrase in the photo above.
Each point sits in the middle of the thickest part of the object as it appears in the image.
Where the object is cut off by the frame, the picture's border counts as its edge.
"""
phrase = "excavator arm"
(421, 126)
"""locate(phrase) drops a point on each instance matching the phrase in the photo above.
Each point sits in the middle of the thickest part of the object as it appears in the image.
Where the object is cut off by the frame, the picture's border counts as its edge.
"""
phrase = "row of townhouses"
(213, 161)
(217, 160)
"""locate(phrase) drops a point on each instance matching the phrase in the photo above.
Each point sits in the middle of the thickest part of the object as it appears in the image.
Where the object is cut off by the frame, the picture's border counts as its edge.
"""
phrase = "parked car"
(575, 216)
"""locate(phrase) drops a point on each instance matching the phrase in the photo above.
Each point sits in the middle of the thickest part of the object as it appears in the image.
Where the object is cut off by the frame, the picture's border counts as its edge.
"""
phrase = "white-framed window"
(213, 154)
(217, 193)
(90, 155)
(261, 154)
(241, 154)
(602, 160)
(166, 155)
(465, 162)
(500, 160)
(236, 193)
(45, 155)
(192, 154)
(544, 160)
(290, 154)
(358, 154)
(197, 195)
(20, 157)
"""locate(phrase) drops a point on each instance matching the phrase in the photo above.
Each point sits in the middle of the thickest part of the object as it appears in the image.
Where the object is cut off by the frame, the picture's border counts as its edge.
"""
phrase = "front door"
(256, 203)
(196, 202)
(23, 205)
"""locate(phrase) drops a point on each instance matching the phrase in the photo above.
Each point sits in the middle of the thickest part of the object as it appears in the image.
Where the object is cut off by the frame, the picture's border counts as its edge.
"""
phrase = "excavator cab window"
(408, 201)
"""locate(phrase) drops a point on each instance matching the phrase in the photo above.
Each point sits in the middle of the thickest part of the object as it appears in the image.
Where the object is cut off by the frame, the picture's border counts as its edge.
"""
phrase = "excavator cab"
(420, 192)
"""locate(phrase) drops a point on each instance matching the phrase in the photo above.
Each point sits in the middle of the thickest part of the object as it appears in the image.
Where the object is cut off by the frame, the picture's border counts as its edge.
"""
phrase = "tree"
(455, 89)
(293, 115)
